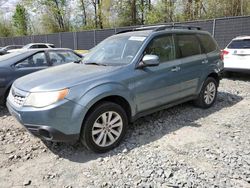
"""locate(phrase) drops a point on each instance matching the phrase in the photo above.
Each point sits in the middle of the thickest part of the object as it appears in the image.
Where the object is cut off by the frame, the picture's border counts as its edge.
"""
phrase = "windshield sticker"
(137, 38)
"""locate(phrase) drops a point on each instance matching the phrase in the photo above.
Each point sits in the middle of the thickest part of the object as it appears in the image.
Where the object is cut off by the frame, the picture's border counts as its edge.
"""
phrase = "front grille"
(17, 97)
(19, 100)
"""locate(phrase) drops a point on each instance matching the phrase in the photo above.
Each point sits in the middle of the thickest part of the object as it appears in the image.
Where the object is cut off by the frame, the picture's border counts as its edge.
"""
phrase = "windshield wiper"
(98, 64)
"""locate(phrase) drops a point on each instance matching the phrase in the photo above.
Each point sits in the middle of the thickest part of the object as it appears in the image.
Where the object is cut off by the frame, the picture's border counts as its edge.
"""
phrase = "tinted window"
(52, 46)
(37, 60)
(163, 47)
(62, 57)
(208, 43)
(239, 44)
(42, 46)
(188, 45)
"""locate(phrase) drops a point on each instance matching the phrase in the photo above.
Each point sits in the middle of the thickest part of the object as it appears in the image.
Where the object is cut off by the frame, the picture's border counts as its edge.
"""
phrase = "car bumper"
(239, 70)
(59, 122)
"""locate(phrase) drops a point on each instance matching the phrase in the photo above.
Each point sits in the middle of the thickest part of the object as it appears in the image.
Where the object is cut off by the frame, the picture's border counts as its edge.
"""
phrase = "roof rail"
(174, 26)
(162, 27)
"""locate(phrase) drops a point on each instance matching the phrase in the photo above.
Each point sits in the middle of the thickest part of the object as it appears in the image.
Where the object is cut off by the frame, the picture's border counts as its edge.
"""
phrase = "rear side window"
(188, 45)
(239, 44)
(208, 43)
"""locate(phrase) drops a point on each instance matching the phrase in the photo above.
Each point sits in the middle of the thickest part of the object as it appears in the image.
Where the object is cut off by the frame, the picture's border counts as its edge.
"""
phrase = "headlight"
(43, 99)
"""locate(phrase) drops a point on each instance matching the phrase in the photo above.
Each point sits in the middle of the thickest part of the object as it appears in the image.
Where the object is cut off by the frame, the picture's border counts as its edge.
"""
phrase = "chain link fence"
(223, 29)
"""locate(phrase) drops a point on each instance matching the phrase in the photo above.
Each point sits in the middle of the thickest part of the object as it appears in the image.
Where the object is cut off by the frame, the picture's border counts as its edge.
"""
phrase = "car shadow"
(147, 129)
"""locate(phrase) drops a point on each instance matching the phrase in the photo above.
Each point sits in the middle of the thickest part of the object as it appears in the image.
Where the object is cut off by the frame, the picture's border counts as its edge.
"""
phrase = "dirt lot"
(180, 147)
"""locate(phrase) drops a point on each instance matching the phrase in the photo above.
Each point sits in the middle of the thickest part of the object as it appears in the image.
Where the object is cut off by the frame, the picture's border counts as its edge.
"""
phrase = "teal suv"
(127, 76)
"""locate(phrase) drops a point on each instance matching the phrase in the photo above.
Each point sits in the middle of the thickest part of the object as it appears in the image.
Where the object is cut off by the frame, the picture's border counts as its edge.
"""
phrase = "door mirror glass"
(149, 61)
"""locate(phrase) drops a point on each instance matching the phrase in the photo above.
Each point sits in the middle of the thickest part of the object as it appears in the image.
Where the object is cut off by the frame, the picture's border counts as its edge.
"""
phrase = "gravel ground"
(183, 146)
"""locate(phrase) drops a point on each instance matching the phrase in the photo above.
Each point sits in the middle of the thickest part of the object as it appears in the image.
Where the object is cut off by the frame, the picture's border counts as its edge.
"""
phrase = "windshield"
(239, 44)
(26, 46)
(8, 56)
(116, 50)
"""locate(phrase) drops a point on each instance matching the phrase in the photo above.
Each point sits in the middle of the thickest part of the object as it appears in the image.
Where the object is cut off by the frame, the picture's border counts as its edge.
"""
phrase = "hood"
(15, 50)
(60, 77)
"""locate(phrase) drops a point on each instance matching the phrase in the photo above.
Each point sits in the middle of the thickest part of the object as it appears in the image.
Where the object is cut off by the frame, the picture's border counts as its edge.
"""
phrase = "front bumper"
(60, 122)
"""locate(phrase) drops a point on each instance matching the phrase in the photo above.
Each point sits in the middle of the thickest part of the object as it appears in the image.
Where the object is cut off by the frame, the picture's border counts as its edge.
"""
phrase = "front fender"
(95, 94)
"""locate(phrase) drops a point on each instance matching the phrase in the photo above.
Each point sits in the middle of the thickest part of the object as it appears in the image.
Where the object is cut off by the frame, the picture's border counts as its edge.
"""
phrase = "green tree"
(6, 29)
(20, 20)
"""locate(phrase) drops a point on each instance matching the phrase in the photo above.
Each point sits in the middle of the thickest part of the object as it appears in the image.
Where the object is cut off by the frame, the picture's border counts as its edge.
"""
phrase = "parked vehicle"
(18, 64)
(127, 76)
(4, 50)
(32, 46)
(237, 55)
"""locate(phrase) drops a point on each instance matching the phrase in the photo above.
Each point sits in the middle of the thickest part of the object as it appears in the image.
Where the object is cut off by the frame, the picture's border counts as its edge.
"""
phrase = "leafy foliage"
(49, 16)
(20, 20)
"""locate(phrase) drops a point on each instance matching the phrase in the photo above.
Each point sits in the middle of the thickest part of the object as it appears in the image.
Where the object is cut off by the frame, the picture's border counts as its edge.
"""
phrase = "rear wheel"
(208, 93)
(104, 127)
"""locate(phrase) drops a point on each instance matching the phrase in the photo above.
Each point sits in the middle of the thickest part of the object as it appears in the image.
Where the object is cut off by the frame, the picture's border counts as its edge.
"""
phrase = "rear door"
(211, 49)
(237, 54)
(189, 51)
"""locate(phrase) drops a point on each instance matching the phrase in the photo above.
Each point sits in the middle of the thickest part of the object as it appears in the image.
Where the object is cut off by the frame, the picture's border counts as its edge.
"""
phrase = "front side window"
(188, 45)
(33, 46)
(62, 57)
(36, 60)
(163, 47)
(116, 50)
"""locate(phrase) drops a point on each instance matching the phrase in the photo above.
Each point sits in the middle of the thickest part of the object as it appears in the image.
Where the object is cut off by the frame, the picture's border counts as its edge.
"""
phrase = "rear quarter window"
(207, 43)
(187, 45)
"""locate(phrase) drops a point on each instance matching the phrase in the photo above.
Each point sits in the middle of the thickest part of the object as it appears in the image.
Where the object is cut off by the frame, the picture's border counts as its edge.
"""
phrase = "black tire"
(200, 101)
(4, 99)
(86, 137)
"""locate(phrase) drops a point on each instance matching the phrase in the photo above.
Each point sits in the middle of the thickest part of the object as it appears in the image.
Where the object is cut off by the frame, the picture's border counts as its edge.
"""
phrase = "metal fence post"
(214, 27)
(94, 37)
(75, 40)
(60, 39)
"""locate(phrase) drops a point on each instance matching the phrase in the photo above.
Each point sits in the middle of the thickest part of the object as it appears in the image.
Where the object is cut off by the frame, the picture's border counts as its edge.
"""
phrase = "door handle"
(176, 69)
(205, 61)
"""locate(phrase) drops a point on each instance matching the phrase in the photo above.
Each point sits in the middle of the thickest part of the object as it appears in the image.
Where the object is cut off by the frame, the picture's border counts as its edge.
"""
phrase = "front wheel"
(104, 127)
(208, 93)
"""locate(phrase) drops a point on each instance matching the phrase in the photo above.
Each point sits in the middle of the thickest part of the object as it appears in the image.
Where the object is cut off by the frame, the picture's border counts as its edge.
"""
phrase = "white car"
(32, 46)
(237, 55)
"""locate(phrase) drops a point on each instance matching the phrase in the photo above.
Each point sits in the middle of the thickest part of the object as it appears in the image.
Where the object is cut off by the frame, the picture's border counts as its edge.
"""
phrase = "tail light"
(223, 53)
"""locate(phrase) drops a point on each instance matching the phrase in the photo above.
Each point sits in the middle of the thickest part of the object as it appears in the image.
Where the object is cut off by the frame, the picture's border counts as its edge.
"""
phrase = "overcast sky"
(7, 7)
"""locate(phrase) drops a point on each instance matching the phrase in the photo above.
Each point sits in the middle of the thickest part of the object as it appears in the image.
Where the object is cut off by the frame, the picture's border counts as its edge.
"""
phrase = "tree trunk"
(83, 7)
(133, 12)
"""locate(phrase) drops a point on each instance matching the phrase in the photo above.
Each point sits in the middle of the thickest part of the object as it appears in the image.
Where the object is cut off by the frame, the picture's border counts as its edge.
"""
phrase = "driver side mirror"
(149, 61)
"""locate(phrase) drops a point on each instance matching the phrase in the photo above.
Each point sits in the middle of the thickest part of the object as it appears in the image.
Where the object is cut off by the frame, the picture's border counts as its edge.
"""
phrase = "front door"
(156, 86)
(31, 64)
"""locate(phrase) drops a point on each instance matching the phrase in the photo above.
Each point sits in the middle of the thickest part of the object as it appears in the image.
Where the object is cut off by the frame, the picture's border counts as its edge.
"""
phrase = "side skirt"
(166, 106)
